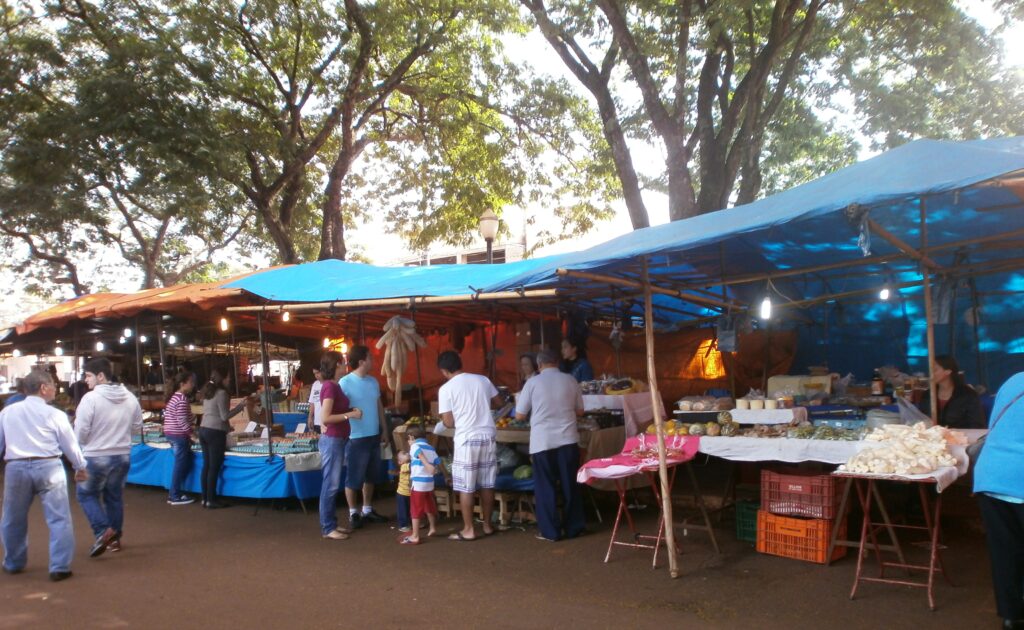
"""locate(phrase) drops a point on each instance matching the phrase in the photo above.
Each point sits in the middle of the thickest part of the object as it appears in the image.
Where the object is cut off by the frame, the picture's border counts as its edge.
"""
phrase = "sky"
(389, 249)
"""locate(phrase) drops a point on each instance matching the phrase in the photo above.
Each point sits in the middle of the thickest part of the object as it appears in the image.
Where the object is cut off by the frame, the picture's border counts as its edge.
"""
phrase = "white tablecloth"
(769, 416)
(752, 449)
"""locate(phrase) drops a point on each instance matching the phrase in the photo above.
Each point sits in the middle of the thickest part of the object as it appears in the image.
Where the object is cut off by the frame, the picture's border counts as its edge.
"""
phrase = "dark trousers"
(214, 444)
(1004, 526)
(402, 502)
(554, 471)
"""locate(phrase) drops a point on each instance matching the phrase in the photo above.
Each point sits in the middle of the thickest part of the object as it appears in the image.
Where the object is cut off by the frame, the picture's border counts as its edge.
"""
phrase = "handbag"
(974, 450)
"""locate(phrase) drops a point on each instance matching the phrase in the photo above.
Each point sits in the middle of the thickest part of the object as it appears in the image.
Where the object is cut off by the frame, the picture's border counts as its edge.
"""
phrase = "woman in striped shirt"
(178, 421)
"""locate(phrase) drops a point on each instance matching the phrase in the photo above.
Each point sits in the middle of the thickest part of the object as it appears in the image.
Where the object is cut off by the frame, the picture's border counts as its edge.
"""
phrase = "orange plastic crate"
(796, 493)
(797, 538)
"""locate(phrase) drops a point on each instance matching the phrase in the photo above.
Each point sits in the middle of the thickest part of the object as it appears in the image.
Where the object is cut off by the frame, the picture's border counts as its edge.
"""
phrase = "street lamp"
(488, 230)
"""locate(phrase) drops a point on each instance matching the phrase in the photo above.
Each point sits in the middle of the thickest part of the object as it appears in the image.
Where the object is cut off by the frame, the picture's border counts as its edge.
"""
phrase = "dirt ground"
(187, 567)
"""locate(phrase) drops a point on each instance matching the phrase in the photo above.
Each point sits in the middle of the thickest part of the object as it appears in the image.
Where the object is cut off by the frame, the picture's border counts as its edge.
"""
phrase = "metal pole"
(265, 360)
(490, 251)
(234, 362)
(419, 373)
(138, 355)
(666, 498)
(160, 345)
(976, 303)
(929, 318)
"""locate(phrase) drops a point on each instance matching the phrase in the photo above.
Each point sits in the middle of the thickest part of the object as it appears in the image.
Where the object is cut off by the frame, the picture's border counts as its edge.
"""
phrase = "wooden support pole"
(893, 240)
(646, 286)
(929, 317)
(407, 302)
(659, 422)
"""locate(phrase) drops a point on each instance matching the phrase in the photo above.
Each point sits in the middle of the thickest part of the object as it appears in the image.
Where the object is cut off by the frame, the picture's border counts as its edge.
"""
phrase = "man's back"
(468, 398)
(552, 397)
(34, 429)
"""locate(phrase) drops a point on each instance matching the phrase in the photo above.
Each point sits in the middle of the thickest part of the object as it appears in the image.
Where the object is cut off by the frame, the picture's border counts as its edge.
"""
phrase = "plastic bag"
(909, 414)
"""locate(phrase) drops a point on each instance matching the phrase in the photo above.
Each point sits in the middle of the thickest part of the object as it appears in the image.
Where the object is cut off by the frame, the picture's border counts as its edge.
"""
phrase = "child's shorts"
(422, 503)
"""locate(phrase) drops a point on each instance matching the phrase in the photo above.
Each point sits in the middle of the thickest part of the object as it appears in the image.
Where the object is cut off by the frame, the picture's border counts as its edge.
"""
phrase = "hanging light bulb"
(16, 353)
(172, 340)
(766, 308)
(344, 348)
(127, 333)
(327, 342)
(143, 338)
(286, 316)
(60, 351)
(884, 293)
(224, 324)
(191, 347)
(99, 347)
(121, 340)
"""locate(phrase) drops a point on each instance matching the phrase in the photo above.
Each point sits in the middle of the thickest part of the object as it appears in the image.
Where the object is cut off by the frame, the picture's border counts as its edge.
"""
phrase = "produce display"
(906, 450)
(399, 339)
(613, 387)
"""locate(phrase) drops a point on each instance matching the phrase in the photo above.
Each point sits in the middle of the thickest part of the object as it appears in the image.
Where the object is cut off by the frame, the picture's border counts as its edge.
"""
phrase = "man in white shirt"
(313, 422)
(464, 403)
(105, 421)
(554, 401)
(32, 437)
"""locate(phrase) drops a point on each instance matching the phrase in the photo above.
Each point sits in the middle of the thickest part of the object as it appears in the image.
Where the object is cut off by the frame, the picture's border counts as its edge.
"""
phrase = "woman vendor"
(574, 361)
(999, 486)
(959, 405)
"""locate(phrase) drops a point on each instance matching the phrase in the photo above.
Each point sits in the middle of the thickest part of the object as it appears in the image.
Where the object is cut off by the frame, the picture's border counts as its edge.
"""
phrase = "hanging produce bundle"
(399, 339)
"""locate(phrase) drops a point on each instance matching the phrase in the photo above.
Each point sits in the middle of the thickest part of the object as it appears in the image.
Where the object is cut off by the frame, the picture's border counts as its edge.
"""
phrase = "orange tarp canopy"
(181, 299)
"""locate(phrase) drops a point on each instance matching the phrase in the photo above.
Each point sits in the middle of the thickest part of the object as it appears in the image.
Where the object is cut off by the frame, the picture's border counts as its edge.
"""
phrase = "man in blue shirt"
(362, 454)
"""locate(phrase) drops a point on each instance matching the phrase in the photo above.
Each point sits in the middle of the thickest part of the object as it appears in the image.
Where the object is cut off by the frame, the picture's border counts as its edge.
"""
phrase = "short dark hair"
(450, 361)
(100, 365)
(414, 432)
(35, 380)
(329, 363)
(357, 354)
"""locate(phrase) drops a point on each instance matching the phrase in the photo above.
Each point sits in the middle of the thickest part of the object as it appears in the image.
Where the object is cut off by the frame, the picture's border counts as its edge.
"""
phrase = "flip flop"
(491, 533)
(459, 537)
(405, 540)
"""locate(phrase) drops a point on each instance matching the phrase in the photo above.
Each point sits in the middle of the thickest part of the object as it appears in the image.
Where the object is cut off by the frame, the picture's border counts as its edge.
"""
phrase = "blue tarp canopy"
(810, 248)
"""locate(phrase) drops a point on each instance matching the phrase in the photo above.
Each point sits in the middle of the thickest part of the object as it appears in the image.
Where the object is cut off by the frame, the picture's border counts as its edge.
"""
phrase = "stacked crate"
(797, 515)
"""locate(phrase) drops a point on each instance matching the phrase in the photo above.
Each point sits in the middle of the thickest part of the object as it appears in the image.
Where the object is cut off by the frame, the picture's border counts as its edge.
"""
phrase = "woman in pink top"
(178, 421)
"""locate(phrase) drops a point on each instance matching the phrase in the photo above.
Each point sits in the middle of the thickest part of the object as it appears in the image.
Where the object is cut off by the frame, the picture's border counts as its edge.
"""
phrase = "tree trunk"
(332, 233)
(280, 235)
(616, 138)
(681, 202)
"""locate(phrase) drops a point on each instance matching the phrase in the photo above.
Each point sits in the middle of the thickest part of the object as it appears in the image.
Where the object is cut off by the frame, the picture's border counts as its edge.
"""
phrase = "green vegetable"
(523, 472)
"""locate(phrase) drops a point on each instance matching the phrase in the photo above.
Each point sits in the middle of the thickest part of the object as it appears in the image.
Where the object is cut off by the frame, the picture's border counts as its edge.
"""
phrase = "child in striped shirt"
(424, 462)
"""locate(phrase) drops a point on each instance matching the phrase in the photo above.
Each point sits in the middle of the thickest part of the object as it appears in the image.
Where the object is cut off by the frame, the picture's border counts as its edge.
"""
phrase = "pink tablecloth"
(640, 454)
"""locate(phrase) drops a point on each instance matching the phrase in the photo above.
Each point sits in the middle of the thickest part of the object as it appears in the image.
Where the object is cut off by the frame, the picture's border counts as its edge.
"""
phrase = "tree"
(729, 87)
(93, 161)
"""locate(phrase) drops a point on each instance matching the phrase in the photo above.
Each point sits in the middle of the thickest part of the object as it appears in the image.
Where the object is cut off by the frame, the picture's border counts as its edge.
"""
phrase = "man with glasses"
(32, 437)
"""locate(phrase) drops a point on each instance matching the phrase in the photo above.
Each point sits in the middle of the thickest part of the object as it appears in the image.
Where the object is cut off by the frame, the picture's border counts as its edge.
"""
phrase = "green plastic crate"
(746, 520)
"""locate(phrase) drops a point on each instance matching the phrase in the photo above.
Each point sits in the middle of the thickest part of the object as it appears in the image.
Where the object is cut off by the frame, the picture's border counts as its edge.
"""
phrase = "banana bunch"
(399, 339)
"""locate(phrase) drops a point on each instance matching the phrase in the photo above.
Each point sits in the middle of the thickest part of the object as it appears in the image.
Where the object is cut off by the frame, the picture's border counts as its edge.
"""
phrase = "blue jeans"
(23, 480)
(182, 447)
(106, 481)
(332, 459)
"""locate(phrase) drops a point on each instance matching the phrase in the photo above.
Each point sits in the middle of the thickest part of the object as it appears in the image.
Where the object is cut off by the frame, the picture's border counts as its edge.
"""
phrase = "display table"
(248, 476)
(869, 497)
(636, 457)
(792, 450)
(637, 409)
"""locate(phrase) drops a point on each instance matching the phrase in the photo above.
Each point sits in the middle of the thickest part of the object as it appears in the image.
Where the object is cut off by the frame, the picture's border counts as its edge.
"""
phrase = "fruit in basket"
(698, 429)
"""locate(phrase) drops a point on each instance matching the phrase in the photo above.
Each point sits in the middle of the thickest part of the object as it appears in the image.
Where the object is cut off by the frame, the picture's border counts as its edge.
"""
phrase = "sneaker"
(102, 542)
(355, 521)
(405, 529)
(373, 517)
(182, 500)
(57, 576)
(12, 571)
(336, 535)
(114, 546)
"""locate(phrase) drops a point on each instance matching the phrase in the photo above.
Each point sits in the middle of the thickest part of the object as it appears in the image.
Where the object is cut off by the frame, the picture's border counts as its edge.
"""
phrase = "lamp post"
(488, 230)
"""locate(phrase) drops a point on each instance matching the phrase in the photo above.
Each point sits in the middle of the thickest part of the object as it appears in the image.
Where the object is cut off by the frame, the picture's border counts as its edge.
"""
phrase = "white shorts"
(474, 465)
